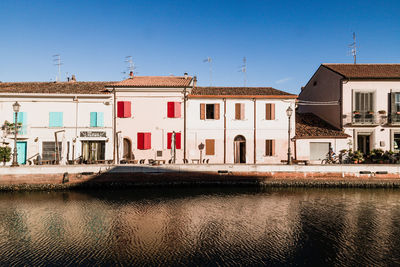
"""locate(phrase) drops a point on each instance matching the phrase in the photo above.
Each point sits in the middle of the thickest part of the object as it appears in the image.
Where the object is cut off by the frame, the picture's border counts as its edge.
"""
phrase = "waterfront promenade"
(54, 177)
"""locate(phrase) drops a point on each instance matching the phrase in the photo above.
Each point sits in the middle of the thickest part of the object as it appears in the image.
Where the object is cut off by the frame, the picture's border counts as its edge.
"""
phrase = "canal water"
(201, 226)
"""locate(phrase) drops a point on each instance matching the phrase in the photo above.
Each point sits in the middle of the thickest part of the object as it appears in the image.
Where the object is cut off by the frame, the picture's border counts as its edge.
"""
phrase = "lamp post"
(289, 112)
(16, 107)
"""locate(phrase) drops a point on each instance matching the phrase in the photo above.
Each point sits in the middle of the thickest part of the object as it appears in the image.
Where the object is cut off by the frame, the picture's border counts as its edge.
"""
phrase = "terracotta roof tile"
(239, 91)
(309, 125)
(155, 81)
(54, 87)
(366, 71)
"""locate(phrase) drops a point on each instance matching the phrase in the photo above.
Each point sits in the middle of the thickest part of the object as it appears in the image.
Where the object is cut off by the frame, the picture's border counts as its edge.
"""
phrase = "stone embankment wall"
(64, 177)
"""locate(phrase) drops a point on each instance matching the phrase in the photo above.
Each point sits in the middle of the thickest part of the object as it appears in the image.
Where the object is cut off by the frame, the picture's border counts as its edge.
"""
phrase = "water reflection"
(202, 226)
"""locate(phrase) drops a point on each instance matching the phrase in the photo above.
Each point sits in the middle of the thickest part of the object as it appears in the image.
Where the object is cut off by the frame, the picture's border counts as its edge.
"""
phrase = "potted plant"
(5, 154)
(357, 157)
(382, 112)
(370, 112)
(376, 155)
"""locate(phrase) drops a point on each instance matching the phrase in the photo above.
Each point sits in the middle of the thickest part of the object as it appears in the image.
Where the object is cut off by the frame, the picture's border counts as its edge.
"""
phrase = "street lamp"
(16, 107)
(289, 113)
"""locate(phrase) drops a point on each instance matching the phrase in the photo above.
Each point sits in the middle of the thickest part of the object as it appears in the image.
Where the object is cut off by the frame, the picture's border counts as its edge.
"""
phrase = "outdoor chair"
(141, 161)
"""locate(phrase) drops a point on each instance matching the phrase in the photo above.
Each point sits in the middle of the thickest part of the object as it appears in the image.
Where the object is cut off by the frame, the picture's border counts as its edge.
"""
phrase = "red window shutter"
(120, 109)
(170, 109)
(147, 140)
(177, 109)
(169, 140)
(178, 140)
(140, 140)
(127, 109)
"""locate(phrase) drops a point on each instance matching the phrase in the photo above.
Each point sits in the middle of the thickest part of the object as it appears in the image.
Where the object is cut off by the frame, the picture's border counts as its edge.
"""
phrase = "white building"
(239, 124)
(76, 114)
(148, 110)
(367, 100)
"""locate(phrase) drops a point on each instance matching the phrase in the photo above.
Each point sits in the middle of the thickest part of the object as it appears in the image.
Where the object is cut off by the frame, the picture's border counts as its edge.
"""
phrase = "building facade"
(239, 124)
(364, 102)
(148, 111)
(58, 122)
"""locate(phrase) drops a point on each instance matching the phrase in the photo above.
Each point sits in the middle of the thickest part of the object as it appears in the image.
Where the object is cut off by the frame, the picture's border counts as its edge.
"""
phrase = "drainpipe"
(184, 124)
(114, 125)
(255, 134)
(224, 99)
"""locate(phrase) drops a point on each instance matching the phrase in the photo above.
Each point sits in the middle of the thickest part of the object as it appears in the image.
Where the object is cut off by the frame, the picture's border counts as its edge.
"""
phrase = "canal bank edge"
(87, 176)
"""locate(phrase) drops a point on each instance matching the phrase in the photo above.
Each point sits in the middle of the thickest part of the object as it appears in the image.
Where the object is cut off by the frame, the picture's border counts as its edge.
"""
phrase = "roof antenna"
(131, 66)
(243, 69)
(209, 60)
(353, 47)
(57, 62)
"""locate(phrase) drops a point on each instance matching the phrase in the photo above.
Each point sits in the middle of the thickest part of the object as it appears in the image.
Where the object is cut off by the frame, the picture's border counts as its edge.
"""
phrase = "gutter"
(114, 126)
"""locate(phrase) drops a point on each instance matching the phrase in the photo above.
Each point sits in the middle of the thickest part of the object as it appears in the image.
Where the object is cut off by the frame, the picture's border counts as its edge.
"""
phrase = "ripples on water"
(202, 226)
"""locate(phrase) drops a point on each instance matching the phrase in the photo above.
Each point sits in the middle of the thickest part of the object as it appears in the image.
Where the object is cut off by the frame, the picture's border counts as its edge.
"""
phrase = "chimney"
(194, 81)
(186, 75)
(73, 78)
(131, 75)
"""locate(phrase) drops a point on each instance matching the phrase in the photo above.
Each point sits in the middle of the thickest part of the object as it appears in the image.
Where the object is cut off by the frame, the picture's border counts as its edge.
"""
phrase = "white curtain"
(120, 147)
(64, 150)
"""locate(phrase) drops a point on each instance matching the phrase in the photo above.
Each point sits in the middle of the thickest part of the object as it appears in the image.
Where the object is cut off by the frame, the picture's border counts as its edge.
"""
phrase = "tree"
(5, 154)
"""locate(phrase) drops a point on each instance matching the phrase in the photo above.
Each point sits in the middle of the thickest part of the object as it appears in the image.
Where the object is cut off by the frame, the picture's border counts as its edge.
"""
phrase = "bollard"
(65, 178)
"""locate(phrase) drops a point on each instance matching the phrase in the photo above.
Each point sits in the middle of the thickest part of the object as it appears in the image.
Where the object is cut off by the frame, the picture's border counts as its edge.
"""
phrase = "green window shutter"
(100, 119)
(55, 119)
(93, 119)
(22, 119)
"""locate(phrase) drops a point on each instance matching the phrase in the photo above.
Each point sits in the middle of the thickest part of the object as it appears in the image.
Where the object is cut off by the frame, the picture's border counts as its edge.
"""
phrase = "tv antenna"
(209, 60)
(353, 47)
(131, 65)
(243, 69)
(58, 63)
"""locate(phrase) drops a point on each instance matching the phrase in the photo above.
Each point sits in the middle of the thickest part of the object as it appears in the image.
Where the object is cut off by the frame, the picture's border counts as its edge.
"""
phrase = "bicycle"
(330, 159)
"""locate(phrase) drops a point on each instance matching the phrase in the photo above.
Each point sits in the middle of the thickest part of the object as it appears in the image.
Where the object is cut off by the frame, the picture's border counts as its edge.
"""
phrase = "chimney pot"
(131, 74)
(186, 75)
(73, 78)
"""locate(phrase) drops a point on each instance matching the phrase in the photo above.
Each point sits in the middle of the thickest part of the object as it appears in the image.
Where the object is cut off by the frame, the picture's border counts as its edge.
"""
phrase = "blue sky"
(284, 41)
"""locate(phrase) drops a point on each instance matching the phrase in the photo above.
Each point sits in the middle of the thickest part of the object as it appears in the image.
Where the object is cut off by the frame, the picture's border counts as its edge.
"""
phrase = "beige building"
(239, 124)
(363, 100)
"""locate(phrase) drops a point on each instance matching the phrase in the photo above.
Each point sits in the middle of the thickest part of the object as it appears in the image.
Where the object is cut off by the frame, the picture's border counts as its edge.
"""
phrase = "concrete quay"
(72, 176)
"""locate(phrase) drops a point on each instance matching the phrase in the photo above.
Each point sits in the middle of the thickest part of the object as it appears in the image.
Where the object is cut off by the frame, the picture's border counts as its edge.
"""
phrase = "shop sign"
(93, 134)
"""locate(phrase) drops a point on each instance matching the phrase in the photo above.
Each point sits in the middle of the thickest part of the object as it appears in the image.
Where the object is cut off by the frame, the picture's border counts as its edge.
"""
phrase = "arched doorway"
(239, 149)
(127, 149)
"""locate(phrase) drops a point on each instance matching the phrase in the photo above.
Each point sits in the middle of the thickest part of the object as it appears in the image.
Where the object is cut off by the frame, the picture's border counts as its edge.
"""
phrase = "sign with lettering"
(93, 134)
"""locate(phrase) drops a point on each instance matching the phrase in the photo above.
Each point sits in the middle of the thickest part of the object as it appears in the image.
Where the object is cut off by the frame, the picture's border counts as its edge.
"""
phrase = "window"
(239, 111)
(144, 141)
(55, 119)
(209, 111)
(396, 142)
(210, 147)
(124, 109)
(174, 109)
(96, 119)
(270, 111)
(363, 102)
(269, 147)
(177, 140)
(49, 150)
(21, 120)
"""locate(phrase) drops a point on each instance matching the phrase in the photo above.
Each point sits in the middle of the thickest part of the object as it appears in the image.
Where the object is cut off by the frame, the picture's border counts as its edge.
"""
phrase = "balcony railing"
(394, 118)
(365, 118)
